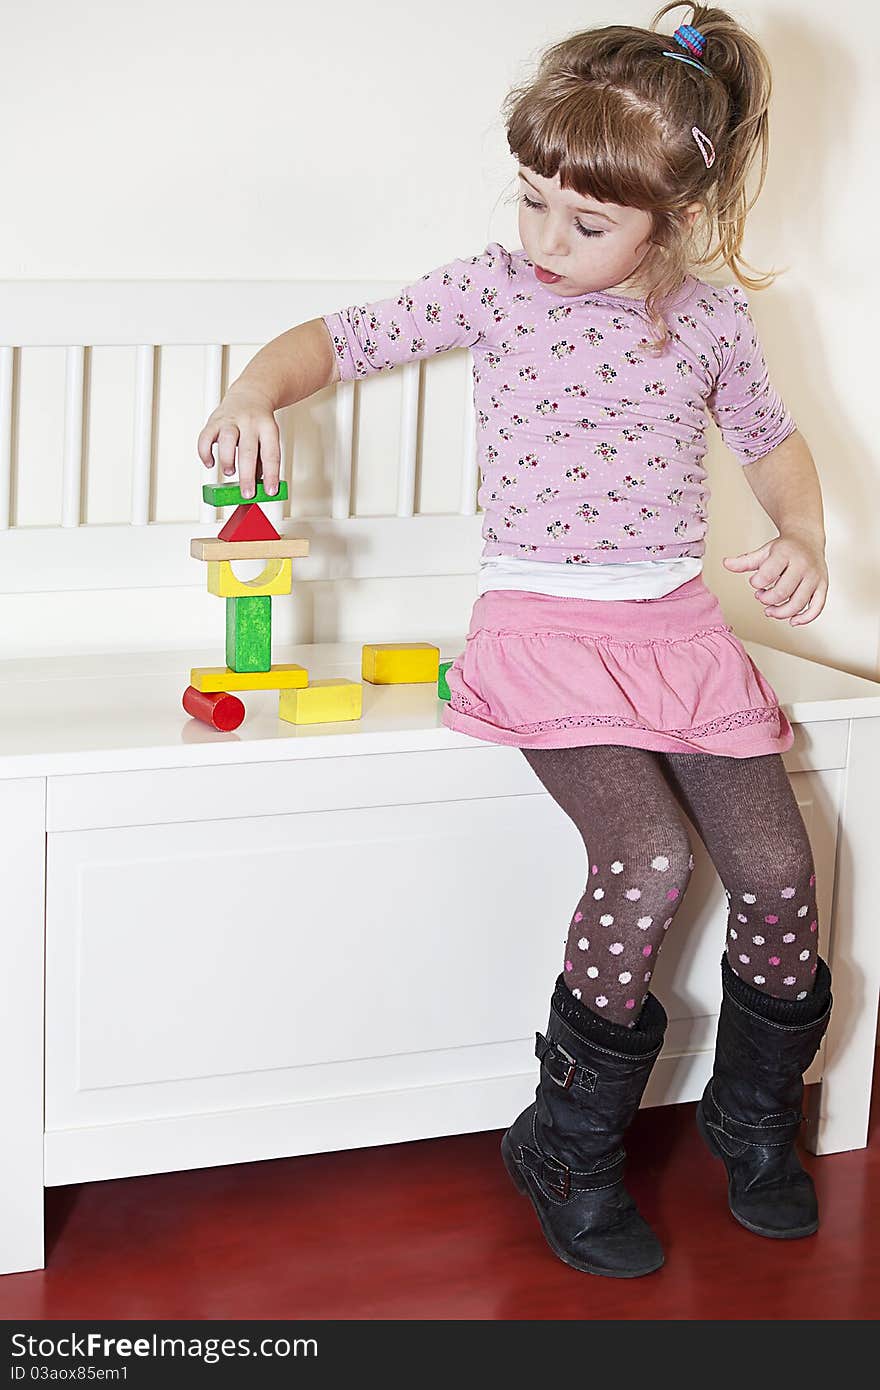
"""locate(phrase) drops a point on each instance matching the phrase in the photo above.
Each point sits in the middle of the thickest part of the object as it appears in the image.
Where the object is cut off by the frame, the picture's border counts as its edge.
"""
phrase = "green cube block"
(249, 633)
(443, 692)
(229, 494)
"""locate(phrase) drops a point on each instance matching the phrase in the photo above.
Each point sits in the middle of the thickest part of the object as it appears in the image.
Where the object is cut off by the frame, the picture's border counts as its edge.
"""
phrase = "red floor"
(435, 1230)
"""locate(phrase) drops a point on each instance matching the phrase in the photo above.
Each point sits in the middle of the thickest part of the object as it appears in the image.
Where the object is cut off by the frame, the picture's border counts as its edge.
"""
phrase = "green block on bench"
(249, 633)
(229, 494)
(443, 692)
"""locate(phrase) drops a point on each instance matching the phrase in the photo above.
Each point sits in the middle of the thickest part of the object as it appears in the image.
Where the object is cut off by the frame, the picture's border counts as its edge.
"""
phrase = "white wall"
(282, 141)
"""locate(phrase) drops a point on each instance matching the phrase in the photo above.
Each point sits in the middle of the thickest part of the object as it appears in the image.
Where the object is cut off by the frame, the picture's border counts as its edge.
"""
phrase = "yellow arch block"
(400, 663)
(276, 578)
(322, 702)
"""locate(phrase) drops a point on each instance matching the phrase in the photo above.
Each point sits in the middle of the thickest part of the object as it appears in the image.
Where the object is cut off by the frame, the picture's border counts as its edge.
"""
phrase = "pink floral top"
(586, 443)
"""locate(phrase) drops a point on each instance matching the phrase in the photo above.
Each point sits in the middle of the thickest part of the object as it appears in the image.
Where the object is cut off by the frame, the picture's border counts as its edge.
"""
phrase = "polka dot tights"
(626, 804)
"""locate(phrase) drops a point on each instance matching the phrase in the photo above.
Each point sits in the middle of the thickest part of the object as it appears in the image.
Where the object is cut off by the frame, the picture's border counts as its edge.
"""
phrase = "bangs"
(599, 141)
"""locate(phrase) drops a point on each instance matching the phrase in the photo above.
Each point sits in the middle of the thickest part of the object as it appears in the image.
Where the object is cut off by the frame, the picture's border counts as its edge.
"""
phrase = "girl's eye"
(584, 231)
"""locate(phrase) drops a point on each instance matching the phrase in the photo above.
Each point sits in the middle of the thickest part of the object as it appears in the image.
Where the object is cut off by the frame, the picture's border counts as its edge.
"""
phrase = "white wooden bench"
(225, 947)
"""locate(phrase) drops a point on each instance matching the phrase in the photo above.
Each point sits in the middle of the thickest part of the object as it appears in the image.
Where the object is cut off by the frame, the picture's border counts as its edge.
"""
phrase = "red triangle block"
(248, 523)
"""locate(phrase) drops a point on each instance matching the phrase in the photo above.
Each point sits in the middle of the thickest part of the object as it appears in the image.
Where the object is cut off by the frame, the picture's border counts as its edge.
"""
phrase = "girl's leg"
(749, 820)
(639, 866)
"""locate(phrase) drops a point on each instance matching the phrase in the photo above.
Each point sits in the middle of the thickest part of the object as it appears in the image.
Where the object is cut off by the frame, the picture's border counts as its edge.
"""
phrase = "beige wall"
(281, 140)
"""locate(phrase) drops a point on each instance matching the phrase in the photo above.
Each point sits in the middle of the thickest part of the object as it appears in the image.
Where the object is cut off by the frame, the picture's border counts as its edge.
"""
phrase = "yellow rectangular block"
(210, 548)
(322, 702)
(277, 578)
(400, 663)
(211, 678)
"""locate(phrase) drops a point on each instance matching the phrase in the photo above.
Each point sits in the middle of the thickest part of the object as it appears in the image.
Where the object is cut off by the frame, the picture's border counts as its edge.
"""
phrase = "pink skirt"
(666, 673)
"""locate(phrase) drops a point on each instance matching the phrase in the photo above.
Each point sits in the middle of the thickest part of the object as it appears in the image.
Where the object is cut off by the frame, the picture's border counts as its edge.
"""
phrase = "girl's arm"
(289, 368)
(786, 484)
(293, 365)
(791, 577)
(455, 305)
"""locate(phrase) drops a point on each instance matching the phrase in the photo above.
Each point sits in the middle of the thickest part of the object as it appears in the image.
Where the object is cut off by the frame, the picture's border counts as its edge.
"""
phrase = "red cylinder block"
(217, 708)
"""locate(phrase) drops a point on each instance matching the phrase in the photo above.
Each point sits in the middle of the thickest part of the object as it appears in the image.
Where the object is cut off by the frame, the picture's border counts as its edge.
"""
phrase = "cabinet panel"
(290, 949)
(258, 961)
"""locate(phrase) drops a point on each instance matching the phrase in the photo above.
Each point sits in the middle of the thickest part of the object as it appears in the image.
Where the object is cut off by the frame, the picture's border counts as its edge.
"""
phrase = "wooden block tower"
(250, 535)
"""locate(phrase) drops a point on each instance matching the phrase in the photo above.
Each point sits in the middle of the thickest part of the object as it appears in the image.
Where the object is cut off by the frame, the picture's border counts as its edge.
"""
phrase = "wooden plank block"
(229, 494)
(322, 702)
(399, 663)
(276, 578)
(212, 548)
(281, 677)
(249, 634)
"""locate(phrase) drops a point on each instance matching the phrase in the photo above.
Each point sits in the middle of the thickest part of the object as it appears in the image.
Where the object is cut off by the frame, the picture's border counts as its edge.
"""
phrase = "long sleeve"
(456, 305)
(749, 412)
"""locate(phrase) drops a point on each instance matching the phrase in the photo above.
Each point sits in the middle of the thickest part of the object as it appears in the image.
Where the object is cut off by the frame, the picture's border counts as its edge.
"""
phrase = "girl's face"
(590, 245)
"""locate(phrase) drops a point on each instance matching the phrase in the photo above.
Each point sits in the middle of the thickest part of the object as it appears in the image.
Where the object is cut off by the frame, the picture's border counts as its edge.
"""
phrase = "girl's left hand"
(790, 579)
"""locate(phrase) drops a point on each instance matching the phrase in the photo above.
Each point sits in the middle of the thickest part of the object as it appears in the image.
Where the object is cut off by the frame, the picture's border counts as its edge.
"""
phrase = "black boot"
(750, 1112)
(565, 1150)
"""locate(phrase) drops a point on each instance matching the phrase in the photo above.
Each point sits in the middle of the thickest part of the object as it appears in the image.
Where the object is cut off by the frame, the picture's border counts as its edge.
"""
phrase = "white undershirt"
(638, 579)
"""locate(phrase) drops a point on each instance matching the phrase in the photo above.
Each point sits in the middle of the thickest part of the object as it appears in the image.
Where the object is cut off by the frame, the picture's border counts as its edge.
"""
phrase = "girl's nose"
(553, 239)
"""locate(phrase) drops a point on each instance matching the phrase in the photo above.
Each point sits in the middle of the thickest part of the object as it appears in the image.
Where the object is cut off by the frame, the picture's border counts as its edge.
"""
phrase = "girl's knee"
(789, 878)
(663, 865)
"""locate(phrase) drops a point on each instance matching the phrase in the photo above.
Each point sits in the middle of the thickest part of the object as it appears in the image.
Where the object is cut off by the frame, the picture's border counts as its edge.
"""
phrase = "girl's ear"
(692, 212)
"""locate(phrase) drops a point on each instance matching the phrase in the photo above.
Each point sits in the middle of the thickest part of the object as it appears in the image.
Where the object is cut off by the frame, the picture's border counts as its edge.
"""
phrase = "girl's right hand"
(244, 420)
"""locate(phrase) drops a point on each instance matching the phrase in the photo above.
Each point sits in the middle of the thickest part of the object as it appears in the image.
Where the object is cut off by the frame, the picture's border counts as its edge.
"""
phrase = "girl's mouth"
(546, 276)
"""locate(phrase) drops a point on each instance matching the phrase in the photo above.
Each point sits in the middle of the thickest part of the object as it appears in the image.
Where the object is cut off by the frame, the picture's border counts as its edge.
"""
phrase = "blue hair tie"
(694, 42)
(691, 39)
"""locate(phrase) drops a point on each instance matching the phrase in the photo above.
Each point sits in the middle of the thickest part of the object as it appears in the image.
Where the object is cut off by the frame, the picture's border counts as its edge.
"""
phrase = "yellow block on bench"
(211, 678)
(322, 702)
(400, 663)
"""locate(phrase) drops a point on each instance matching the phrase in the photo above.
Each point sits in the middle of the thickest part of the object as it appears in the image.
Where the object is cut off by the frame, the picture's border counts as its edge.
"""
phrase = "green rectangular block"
(229, 494)
(249, 633)
(443, 692)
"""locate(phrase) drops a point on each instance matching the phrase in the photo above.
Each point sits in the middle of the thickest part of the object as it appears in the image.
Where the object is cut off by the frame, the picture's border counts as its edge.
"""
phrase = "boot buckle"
(552, 1172)
(563, 1183)
(546, 1052)
(566, 1080)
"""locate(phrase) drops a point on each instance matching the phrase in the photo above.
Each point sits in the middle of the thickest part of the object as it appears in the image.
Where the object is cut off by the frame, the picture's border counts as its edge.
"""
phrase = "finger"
(798, 600)
(270, 456)
(769, 573)
(813, 608)
(247, 462)
(227, 441)
(205, 445)
(749, 560)
(785, 585)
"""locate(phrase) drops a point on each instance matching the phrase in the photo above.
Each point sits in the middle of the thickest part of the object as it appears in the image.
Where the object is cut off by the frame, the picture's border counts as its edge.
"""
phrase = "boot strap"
(556, 1175)
(561, 1066)
(759, 1136)
(773, 1132)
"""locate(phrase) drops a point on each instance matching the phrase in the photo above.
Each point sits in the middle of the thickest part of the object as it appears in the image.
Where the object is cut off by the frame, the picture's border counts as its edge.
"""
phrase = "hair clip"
(700, 138)
(683, 59)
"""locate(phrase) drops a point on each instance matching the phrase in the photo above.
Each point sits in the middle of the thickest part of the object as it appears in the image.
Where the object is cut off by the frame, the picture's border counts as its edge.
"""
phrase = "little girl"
(594, 645)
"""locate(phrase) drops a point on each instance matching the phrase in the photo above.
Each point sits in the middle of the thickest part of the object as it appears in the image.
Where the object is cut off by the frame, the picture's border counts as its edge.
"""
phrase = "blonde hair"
(608, 113)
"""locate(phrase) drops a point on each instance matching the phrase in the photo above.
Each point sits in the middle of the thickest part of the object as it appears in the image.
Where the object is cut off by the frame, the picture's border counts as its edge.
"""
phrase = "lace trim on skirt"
(721, 725)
